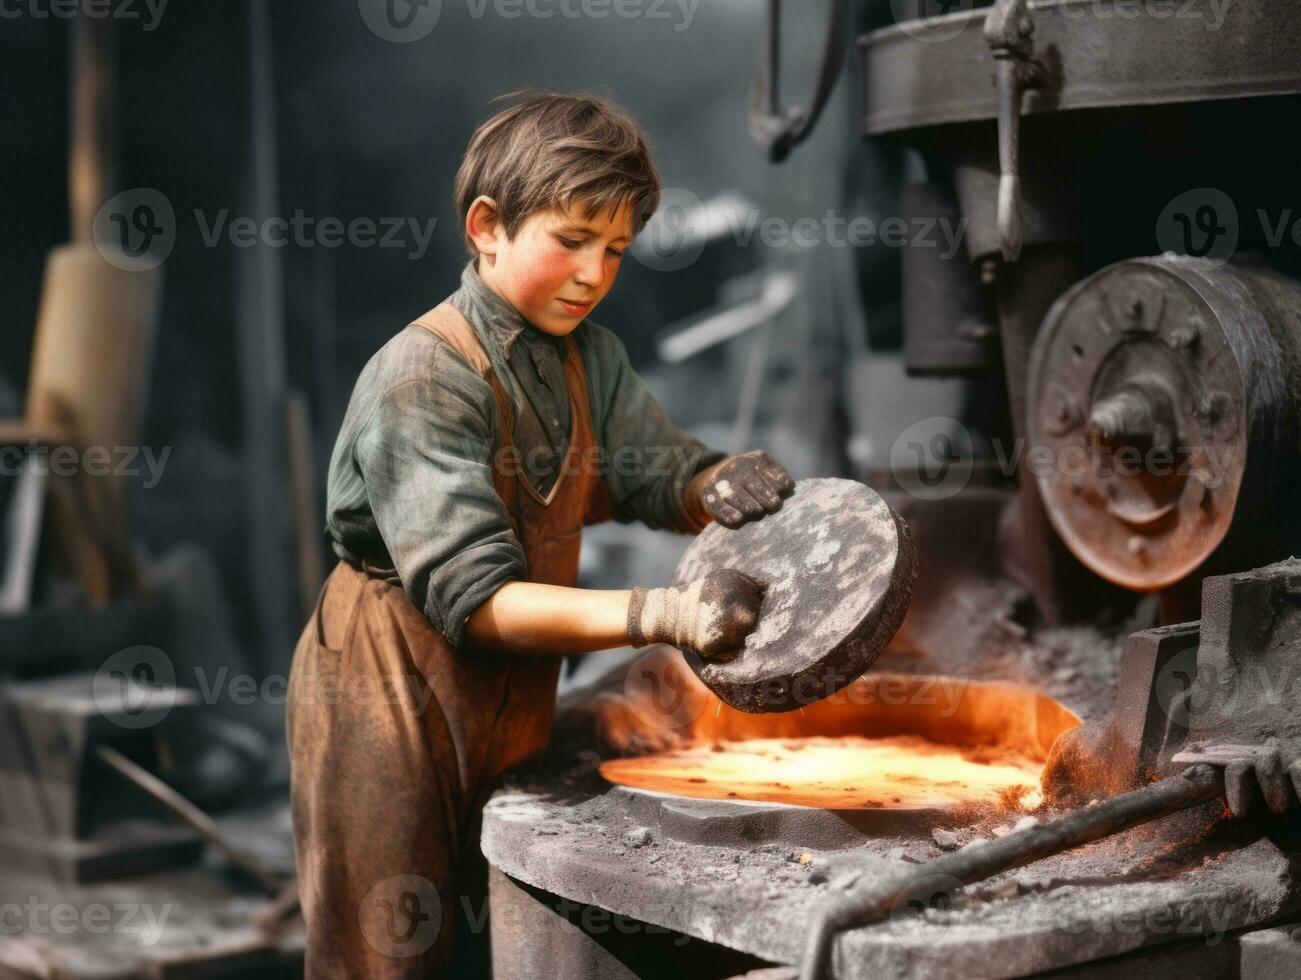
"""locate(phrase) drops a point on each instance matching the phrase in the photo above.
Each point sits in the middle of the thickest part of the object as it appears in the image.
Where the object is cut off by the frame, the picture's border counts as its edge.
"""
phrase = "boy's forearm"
(528, 617)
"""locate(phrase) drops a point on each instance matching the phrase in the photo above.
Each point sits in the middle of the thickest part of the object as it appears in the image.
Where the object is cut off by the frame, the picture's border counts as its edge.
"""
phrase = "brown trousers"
(395, 738)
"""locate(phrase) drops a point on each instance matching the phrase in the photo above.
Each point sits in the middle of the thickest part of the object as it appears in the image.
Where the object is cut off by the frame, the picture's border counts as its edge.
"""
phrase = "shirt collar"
(495, 320)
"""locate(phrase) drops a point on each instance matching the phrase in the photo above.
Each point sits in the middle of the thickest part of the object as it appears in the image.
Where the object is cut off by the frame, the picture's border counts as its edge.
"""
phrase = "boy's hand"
(711, 615)
(745, 488)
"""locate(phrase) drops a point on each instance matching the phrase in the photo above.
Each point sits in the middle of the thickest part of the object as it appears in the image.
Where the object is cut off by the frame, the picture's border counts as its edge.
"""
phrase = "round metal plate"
(839, 566)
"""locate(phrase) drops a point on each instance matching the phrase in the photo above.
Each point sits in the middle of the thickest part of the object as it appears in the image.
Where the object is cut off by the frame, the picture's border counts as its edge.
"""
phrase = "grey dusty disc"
(839, 566)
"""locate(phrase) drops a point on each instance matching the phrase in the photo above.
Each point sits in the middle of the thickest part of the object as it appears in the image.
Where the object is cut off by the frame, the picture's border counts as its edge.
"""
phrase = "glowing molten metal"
(887, 741)
(846, 773)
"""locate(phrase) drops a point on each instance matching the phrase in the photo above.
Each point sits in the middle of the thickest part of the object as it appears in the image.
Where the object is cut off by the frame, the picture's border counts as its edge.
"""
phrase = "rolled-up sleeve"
(425, 456)
(650, 460)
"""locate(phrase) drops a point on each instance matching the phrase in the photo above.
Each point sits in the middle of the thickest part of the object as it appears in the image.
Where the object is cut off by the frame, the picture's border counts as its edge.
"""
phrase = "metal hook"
(781, 130)
(1009, 33)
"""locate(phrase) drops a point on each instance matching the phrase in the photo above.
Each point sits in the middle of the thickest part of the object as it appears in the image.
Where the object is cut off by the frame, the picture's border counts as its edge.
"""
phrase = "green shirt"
(410, 484)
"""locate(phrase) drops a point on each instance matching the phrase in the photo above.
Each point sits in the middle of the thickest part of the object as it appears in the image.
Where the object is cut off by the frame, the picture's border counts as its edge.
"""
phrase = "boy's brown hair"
(553, 150)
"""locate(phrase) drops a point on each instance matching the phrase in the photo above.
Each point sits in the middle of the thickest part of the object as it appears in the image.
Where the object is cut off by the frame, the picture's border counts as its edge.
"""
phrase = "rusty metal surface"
(839, 566)
(1153, 384)
(1097, 54)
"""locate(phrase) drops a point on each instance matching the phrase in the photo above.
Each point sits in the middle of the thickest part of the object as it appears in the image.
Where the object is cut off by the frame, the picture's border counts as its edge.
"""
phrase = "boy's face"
(559, 266)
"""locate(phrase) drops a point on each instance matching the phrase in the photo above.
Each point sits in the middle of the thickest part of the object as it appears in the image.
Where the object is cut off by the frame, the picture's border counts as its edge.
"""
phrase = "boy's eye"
(569, 243)
(615, 252)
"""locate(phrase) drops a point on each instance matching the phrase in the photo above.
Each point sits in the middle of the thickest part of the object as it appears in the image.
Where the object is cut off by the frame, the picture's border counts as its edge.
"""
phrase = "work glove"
(745, 488)
(1268, 772)
(710, 615)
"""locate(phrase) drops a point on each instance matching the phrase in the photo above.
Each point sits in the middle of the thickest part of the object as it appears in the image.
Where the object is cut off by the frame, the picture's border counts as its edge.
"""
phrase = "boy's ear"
(483, 224)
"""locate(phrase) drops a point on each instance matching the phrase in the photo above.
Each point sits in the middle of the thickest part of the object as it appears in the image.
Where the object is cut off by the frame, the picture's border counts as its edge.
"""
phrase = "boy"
(464, 472)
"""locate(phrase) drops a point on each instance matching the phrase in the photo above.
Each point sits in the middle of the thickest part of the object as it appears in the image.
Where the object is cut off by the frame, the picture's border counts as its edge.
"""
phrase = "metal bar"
(25, 518)
(182, 808)
(774, 56)
(876, 901)
(263, 372)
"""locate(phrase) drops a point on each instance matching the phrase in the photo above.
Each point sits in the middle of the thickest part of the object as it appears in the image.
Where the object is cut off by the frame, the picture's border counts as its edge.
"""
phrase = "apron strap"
(447, 322)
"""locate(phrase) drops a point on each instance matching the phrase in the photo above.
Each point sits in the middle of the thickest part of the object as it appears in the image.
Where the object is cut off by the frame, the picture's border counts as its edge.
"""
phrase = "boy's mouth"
(576, 309)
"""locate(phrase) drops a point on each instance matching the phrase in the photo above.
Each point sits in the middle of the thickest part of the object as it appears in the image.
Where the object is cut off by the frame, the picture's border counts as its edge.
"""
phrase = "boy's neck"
(486, 271)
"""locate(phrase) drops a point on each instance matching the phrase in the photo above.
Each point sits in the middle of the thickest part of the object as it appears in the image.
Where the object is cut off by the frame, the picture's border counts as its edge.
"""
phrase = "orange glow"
(848, 773)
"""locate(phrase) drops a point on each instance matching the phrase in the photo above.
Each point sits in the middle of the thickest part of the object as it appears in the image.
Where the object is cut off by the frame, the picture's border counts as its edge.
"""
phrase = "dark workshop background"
(360, 127)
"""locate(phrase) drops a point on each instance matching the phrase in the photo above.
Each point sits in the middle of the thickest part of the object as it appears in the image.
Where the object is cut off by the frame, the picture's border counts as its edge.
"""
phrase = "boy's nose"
(591, 272)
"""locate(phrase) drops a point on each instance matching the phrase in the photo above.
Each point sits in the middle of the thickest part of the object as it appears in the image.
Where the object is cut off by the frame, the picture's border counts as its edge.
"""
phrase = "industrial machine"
(1097, 646)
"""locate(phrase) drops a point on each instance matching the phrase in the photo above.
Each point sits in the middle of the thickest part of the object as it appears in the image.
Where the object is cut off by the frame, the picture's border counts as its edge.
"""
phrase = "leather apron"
(395, 738)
